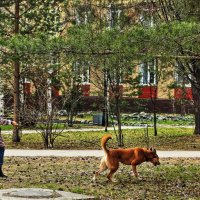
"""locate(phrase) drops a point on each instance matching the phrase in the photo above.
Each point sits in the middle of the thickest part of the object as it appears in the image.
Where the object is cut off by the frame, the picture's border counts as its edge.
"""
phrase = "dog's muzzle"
(157, 163)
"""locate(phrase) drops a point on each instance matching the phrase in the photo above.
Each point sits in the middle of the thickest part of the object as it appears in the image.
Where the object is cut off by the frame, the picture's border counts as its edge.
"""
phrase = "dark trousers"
(2, 149)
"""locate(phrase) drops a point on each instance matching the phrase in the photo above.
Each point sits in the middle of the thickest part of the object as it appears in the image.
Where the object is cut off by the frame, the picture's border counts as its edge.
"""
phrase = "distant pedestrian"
(2, 144)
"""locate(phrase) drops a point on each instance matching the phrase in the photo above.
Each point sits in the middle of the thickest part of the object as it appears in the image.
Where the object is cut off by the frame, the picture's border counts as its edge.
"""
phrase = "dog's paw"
(114, 180)
(132, 174)
(139, 178)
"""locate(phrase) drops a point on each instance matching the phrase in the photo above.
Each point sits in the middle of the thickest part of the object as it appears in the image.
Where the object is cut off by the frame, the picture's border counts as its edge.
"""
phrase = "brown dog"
(132, 156)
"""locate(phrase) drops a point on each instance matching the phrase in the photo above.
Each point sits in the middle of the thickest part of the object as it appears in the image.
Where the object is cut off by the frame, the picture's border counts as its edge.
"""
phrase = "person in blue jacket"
(2, 144)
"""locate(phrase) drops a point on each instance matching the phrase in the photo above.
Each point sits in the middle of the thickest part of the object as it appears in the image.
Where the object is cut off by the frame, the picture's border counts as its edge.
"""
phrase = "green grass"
(167, 139)
(6, 127)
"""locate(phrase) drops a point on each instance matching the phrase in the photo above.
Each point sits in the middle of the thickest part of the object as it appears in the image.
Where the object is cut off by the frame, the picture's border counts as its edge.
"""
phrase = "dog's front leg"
(134, 170)
(134, 164)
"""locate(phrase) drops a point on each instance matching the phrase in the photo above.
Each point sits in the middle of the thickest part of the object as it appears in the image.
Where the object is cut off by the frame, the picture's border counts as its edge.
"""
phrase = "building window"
(183, 89)
(148, 80)
(181, 80)
(85, 74)
(146, 20)
(146, 14)
(83, 15)
(116, 76)
(82, 72)
(148, 73)
(82, 76)
(114, 15)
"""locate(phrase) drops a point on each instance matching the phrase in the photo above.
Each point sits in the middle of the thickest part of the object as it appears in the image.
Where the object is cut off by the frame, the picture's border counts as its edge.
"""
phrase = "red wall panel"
(185, 93)
(148, 92)
(85, 89)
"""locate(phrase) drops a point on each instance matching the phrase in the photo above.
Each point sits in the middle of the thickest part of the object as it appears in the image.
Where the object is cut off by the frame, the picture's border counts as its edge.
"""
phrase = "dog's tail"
(104, 140)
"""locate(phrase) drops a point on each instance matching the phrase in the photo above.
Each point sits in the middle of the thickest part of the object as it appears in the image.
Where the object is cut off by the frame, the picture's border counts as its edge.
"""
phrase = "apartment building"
(151, 85)
(112, 13)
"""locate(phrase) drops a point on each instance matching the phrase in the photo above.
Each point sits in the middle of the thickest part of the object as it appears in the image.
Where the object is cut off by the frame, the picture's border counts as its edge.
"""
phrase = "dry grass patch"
(173, 179)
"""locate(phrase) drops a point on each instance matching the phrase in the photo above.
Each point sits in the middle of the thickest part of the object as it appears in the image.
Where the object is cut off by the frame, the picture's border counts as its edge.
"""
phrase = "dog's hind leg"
(102, 168)
(113, 167)
(112, 171)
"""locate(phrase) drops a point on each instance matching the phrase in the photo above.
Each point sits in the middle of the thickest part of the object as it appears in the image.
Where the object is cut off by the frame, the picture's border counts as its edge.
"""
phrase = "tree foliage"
(71, 31)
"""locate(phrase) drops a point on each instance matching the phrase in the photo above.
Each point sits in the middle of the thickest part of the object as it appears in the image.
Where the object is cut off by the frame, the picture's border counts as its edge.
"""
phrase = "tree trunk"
(155, 122)
(70, 121)
(105, 110)
(120, 134)
(46, 141)
(153, 100)
(196, 98)
(16, 137)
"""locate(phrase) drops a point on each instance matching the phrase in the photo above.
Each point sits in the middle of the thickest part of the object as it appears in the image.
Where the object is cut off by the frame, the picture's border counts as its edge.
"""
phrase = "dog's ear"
(153, 150)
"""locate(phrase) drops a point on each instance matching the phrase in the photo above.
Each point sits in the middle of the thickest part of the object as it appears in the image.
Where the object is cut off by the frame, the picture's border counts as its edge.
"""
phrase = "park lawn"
(174, 179)
(167, 139)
